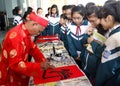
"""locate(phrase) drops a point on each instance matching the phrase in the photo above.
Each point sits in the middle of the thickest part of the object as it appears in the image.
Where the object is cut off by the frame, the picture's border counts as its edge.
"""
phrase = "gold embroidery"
(24, 46)
(13, 53)
(26, 57)
(11, 79)
(13, 35)
(22, 65)
(5, 53)
(0, 74)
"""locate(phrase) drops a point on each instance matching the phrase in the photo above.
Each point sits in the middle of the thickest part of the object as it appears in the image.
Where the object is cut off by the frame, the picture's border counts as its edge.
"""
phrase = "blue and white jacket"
(76, 42)
(53, 27)
(92, 60)
(108, 73)
(17, 20)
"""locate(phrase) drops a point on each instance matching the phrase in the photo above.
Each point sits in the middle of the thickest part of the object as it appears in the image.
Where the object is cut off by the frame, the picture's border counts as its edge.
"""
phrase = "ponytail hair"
(16, 10)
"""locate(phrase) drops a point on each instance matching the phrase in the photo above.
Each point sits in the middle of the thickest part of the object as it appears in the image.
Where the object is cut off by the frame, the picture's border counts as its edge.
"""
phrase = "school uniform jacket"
(15, 69)
(17, 20)
(92, 60)
(53, 27)
(63, 36)
(108, 73)
(76, 42)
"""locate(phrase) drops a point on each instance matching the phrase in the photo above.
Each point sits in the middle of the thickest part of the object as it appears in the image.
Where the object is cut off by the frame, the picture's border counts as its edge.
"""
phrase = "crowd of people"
(75, 27)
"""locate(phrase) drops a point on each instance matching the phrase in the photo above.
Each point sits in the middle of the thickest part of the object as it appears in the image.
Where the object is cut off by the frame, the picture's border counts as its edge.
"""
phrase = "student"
(48, 14)
(89, 4)
(77, 31)
(63, 30)
(92, 59)
(53, 27)
(40, 11)
(29, 10)
(17, 45)
(17, 12)
(63, 9)
(108, 73)
(68, 13)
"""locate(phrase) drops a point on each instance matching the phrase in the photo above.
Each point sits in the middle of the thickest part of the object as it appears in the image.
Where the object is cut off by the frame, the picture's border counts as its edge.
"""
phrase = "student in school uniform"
(108, 73)
(53, 27)
(77, 32)
(68, 10)
(63, 9)
(92, 59)
(63, 30)
(39, 11)
(17, 12)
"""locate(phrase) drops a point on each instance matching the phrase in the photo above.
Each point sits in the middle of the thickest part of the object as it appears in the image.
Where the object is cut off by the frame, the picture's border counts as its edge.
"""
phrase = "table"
(66, 73)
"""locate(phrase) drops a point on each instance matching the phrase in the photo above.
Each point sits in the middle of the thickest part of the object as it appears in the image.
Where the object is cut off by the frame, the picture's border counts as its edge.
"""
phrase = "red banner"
(46, 38)
(57, 74)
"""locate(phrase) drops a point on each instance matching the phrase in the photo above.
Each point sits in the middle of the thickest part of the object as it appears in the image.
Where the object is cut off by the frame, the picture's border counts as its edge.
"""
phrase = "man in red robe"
(15, 70)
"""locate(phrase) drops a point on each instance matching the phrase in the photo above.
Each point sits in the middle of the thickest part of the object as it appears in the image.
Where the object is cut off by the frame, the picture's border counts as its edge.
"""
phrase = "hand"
(78, 58)
(46, 65)
(90, 39)
(90, 30)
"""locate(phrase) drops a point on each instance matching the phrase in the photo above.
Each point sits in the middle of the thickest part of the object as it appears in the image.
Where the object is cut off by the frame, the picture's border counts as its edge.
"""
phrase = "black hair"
(89, 4)
(92, 10)
(46, 15)
(63, 16)
(80, 9)
(55, 6)
(29, 10)
(64, 7)
(49, 8)
(16, 10)
(111, 9)
(69, 7)
(101, 30)
(109, 2)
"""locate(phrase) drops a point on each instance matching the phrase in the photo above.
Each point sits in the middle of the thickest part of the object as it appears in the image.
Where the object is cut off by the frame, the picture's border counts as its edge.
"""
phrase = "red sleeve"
(16, 56)
(36, 53)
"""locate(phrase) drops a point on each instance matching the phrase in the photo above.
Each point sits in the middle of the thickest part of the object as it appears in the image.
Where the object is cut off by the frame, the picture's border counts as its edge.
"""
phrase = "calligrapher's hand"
(46, 65)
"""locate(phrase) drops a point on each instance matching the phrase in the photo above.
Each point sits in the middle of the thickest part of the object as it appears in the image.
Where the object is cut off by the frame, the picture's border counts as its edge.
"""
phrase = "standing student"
(53, 27)
(63, 30)
(108, 73)
(40, 11)
(17, 45)
(77, 32)
(92, 59)
(17, 12)
(46, 15)
(63, 9)
(68, 10)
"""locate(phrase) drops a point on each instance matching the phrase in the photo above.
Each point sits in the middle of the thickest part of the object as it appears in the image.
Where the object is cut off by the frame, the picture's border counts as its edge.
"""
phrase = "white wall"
(2, 5)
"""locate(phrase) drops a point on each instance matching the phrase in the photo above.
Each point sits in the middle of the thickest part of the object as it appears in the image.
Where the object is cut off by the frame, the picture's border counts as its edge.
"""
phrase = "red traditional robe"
(15, 69)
